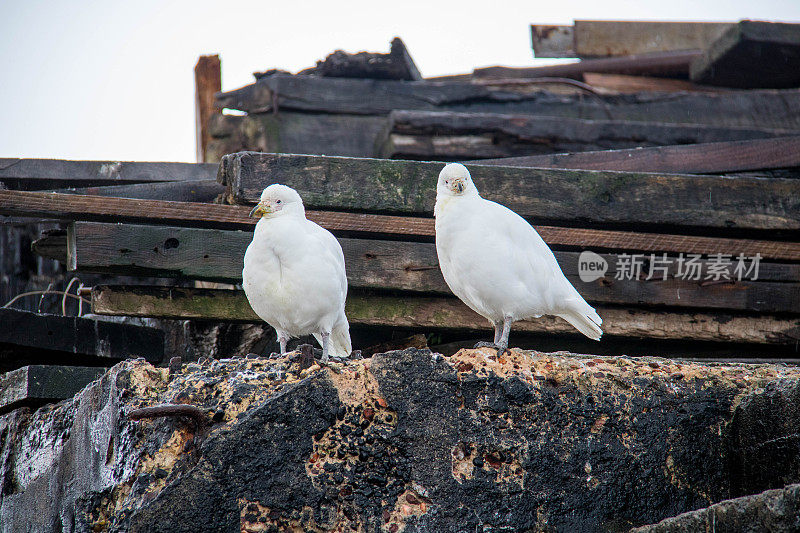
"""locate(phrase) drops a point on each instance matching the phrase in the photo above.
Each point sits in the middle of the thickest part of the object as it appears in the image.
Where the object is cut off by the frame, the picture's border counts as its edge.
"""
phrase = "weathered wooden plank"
(39, 384)
(82, 207)
(295, 133)
(441, 312)
(552, 41)
(37, 174)
(705, 158)
(602, 38)
(625, 84)
(207, 82)
(80, 335)
(375, 264)
(668, 64)
(75, 207)
(750, 55)
(448, 135)
(766, 108)
(204, 191)
(763, 109)
(564, 195)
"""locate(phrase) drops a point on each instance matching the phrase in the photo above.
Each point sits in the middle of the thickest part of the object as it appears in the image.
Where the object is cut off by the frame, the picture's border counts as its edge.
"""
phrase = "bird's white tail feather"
(339, 340)
(584, 318)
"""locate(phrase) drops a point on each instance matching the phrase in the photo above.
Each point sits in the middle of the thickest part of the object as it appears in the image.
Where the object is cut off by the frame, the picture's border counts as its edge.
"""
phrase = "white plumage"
(497, 264)
(294, 274)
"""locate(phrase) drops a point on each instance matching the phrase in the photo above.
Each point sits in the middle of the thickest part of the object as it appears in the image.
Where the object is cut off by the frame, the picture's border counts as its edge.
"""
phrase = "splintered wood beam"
(207, 82)
(704, 158)
(77, 207)
(410, 266)
(39, 384)
(38, 174)
(396, 65)
(571, 196)
(447, 313)
(667, 64)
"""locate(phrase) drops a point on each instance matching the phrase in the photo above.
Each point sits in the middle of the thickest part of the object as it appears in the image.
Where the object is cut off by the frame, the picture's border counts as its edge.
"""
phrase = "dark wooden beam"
(207, 82)
(296, 133)
(447, 135)
(423, 312)
(36, 385)
(204, 191)
(74, 336)
(38, 174)
(561, 195)
(705, 158)
(404, 266)
(354, 96)
(750, 55)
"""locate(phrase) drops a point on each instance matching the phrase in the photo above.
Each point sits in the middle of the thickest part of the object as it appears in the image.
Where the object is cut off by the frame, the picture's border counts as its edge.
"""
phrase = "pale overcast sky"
(114, 80)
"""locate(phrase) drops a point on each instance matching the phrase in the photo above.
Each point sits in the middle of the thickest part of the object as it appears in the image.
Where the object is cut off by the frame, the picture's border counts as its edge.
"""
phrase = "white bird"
(498, 265)
(294, 274)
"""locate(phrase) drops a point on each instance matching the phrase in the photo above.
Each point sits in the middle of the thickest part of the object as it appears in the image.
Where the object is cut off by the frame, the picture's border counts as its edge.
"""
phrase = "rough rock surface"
(776, 511)
(405, 441)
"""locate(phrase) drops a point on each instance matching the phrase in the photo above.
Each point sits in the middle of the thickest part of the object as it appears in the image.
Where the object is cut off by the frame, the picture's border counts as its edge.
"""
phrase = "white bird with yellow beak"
(498, 265)
(294, 274)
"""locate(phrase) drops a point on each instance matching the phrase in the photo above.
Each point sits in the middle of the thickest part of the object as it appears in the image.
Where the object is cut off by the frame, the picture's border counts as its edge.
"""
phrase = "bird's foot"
(501, 349)
(332, 363)
(485, 344)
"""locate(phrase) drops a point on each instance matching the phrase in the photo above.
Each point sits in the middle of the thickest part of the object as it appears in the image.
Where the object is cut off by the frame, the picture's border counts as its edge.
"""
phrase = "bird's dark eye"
(278, 202)
(446, 182)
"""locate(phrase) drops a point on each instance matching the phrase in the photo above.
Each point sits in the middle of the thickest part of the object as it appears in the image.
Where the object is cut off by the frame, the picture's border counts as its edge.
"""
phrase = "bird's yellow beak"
(260, 210)
(458, 186)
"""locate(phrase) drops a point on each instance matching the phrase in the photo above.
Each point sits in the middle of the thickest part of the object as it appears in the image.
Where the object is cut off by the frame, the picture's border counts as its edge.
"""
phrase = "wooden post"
(207, 82)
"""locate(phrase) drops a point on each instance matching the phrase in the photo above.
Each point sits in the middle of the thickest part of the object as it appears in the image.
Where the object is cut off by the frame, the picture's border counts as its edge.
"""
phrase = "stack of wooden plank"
(646, 227)
(47, 355)
(629, 89)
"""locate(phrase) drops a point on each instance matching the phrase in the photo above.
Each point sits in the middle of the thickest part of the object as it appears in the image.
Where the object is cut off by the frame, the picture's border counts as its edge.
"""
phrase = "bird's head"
(454, 180)
(277, 200)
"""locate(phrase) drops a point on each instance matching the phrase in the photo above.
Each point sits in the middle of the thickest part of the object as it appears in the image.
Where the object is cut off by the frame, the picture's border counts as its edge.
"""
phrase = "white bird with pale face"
(497, 263)
(294, 274)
